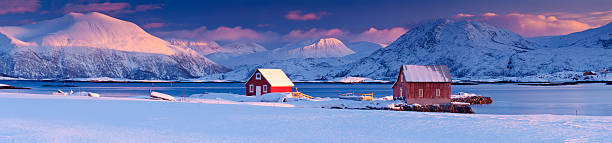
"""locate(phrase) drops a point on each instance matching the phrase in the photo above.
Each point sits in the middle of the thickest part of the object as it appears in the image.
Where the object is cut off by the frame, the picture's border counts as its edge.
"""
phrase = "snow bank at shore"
(288, 100)
(464, 95)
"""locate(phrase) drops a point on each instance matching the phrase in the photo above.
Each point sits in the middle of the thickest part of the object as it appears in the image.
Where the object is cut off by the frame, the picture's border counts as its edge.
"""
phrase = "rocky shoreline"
(447, 107)
(473, 100)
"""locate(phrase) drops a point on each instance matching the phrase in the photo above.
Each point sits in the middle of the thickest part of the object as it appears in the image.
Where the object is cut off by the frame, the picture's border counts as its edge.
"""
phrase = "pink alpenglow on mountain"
(95, 45)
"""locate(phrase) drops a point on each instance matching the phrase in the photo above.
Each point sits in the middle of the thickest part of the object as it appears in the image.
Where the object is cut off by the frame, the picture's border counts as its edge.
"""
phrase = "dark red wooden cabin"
(423, 84)
(268, 81)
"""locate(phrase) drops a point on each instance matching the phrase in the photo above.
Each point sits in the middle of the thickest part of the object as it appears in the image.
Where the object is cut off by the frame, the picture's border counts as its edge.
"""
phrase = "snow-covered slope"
(95, 45)
(468, 48)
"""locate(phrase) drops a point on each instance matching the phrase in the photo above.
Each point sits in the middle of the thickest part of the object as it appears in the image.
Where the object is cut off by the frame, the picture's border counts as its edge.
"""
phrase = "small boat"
(6, 86)
(91, 94)
(161, 96)
(60, 92)
(358, 96)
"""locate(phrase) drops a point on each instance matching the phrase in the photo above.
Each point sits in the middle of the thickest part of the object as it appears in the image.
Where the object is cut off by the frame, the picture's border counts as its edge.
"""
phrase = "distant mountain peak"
(241, 48)
(325, 47)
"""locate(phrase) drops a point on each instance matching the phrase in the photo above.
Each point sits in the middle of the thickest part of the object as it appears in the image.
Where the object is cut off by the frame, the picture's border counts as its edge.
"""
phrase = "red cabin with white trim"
(268, 81)
(423, 84)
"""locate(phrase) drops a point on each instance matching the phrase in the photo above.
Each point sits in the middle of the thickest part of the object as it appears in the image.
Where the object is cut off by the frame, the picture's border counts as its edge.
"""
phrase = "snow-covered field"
(46, 118)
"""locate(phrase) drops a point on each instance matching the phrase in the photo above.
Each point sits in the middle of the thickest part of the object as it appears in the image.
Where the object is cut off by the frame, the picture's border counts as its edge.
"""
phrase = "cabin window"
(265, 88)
(437, 92)
(251, 88)
(258, 76)
(420, 92)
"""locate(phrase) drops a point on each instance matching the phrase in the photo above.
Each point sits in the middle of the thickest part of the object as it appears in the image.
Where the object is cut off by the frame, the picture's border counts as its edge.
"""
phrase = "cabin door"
(257, 90)
(401, 93)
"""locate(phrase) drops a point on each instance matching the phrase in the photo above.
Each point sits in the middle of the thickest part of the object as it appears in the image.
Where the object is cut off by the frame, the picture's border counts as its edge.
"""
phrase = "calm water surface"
(509, 99)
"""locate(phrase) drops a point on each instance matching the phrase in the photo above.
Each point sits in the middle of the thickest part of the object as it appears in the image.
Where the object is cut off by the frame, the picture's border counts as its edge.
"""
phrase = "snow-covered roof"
(276, 77)
(426, 73)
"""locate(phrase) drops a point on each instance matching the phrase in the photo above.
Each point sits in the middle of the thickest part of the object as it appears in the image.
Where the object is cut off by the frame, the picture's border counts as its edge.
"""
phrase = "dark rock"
(448, 107)
(474, 100)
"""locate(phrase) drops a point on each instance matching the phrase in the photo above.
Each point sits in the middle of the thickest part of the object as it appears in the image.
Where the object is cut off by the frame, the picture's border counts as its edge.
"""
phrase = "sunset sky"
(269, 21)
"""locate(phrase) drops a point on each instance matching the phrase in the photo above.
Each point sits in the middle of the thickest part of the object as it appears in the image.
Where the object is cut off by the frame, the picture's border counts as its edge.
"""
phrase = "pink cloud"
(531, 25)
(297, 15)
(153, 25)
(296, 35)
(595, 18)
(146, 7)
(18, 6)
(120, 7)
(100, 7)
(220, 34)
(381, 36)
(223, 33)
(463, 15)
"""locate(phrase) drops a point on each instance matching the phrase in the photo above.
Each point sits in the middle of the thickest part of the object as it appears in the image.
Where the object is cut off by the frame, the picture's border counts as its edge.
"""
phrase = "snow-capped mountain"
(231, 51)
(95, 45)
(309, 69)
(201, 47)
(600, 37)
(589, 50)
(322, 48)
(472, 50)
(468, 48)
(363, 48)
(94, 30)
(242, 48)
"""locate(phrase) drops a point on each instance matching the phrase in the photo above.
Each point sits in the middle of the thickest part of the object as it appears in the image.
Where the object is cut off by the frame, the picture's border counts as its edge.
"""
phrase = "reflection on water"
(581, 99)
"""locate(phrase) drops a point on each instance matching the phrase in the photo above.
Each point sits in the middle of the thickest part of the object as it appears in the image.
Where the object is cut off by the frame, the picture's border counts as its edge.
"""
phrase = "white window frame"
(265, 88)
(251, 88)
(258, 76)
(438, 92)
(421, 93)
